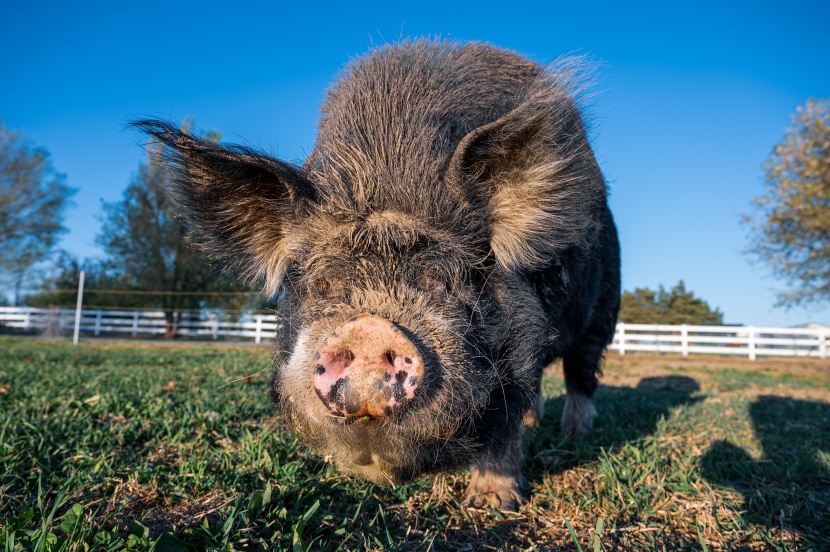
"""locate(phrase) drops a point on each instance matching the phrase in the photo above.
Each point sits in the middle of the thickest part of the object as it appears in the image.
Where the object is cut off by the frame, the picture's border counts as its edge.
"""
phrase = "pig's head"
(412, 335)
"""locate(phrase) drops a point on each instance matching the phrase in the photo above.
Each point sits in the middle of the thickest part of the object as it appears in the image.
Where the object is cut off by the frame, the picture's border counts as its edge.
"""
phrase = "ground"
(112, 446)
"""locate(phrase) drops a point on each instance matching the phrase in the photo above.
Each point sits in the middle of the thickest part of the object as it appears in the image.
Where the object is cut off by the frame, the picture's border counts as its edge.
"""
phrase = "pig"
(447, 238)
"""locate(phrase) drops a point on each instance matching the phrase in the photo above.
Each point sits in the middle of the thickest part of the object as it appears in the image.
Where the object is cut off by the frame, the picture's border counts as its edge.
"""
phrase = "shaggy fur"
(452, 191)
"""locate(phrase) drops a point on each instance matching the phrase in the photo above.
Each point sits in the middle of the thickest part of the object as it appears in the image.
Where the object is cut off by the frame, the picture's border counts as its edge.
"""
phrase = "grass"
(111, 447)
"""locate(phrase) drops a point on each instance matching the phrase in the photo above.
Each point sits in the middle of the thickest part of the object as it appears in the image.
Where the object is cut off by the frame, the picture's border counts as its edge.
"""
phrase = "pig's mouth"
(380, 450)
(365, 419)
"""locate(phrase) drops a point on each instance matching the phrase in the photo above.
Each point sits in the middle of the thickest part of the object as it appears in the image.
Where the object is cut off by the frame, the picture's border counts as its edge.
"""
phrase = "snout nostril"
(344, 356)
(390, 357)
(334, 363)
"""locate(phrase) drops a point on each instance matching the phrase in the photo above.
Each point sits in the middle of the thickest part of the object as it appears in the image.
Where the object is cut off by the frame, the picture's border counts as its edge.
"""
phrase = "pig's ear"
(533, 174)
(237, 202)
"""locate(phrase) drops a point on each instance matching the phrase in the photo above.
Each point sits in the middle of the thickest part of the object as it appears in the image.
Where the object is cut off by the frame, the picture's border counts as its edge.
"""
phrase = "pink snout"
(367, 368)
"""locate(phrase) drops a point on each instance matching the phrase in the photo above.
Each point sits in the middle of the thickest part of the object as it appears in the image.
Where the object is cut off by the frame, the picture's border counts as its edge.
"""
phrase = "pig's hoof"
(534, 416)
(531, 419)
(578, 415)
(493, 490)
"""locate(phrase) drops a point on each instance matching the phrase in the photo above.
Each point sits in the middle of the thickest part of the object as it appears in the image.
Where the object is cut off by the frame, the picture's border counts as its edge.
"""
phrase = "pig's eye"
(432, 283)
(321, 287)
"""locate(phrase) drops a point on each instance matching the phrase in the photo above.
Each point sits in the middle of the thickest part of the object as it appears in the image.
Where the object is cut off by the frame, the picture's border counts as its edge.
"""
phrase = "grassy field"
(111, 447)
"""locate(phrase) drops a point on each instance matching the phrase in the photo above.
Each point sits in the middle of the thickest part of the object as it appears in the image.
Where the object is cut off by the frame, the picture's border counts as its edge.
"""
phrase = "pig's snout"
(368, 367)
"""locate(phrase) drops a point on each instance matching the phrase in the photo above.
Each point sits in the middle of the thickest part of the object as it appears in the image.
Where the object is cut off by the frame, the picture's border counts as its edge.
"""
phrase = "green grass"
(111, 447)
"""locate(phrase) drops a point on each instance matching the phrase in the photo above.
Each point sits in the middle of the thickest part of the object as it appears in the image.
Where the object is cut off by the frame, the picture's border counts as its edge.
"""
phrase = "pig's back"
(392, 120)
(406, 89)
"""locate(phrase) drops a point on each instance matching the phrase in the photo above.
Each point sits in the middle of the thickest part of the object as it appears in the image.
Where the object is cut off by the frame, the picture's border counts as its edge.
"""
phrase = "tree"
(791, 223)
(33, 198)
(147, 249)
(59, 285)
(677, 306)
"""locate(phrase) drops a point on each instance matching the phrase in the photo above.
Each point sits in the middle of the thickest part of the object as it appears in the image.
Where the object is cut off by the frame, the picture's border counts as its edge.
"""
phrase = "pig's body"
(446, 239)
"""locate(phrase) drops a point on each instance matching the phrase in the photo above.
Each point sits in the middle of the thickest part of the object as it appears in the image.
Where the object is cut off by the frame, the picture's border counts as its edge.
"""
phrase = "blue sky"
(690, 100)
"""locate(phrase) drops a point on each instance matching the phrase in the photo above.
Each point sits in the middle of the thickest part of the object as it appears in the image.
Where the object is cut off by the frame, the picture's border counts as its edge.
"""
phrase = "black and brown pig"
(447, 238)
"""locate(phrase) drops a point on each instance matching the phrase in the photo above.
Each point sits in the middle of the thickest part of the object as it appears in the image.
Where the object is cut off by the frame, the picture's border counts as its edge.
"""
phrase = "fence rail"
(747, 341)
(99, 322)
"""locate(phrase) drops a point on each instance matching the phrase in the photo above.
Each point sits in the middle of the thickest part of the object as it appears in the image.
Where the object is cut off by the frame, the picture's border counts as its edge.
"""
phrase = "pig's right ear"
(237, 202)
(534, 177)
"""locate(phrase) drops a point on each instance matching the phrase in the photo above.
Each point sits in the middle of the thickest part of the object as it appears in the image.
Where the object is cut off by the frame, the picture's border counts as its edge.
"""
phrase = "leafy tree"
(791, 224)
(33, 198)
(147, 249)
(677, 306)
(59, 286)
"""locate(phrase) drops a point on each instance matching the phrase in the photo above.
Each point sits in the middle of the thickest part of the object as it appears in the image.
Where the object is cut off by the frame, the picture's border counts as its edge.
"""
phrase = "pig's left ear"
(533, 174)
(237, 203)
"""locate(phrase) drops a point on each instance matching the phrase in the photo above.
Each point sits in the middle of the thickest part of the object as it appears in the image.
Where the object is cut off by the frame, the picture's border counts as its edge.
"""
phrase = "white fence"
(139, 323)
(747, 341)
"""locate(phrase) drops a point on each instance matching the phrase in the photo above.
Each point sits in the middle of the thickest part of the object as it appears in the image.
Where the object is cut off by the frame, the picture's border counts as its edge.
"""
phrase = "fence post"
(27, 319)
(135, 323)
(751, 330)
(656, 336)
(215, 326)
(684, 340)
(822, 346)
(98, 315)
(258, 329)
(77, 310)
(621, 334)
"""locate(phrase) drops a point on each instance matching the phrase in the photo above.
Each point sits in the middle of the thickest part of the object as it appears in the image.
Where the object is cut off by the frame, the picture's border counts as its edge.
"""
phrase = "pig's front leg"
(497, 482)
(535, 414)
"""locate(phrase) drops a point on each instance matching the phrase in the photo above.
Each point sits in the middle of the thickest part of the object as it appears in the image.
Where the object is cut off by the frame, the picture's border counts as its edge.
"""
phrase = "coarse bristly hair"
(453, 191)
(514, 162)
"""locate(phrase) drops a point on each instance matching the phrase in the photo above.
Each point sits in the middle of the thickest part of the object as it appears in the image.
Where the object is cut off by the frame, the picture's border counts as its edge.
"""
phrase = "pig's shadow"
(789, 486)
(624, 414)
